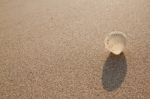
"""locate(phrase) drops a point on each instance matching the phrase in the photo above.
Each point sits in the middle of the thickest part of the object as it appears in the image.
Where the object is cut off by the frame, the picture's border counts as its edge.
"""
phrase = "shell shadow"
(114, 71)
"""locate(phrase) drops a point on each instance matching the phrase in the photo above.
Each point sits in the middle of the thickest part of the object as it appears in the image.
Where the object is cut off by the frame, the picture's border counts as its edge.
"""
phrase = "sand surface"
(54, 49)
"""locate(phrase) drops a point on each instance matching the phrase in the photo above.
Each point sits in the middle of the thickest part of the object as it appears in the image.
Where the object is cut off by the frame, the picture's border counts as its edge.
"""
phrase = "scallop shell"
(115, 42)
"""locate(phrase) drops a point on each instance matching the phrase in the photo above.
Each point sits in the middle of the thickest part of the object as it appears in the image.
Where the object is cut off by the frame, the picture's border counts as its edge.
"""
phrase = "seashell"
(115, 42)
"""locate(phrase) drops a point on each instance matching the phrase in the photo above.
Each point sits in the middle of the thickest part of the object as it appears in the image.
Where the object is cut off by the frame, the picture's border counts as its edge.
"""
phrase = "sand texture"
(54, 49)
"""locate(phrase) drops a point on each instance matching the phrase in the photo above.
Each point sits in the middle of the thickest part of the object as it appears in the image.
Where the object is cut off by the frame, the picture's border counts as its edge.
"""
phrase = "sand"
(54, 49)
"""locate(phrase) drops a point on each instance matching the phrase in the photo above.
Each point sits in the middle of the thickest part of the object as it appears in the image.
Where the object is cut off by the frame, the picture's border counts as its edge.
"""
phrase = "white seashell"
(115, 42)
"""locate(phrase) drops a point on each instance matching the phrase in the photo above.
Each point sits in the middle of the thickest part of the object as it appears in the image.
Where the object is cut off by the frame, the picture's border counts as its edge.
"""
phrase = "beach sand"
(54, 49)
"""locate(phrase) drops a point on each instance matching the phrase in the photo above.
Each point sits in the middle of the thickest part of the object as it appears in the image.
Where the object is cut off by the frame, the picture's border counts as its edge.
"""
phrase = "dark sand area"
(54, 49)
